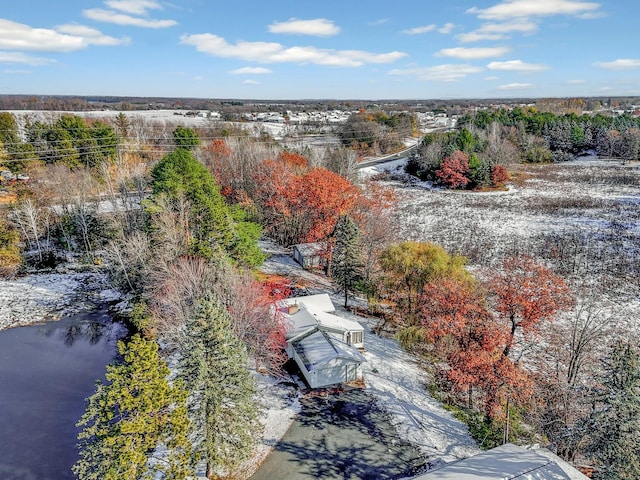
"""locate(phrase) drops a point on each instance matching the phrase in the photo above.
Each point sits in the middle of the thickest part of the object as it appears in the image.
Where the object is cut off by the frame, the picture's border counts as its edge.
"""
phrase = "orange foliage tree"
(294, 160)
(467, 337)
(299, 207)
(524, 294)
(476, 339)
(499, 175)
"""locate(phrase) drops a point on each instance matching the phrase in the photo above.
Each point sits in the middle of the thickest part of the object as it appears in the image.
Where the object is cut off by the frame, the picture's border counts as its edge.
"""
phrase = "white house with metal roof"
(325, 346)
(324, 361)
(303, 312)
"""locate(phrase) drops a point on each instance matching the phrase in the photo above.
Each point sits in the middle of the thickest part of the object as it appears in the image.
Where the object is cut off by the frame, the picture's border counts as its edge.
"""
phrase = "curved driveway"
(342, 436)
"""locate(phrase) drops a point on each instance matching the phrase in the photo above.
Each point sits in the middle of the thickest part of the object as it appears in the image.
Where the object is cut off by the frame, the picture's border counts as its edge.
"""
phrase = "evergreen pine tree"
(224, 408)
(614, 425)
(211, 226)
(127, 418)
(346, 265)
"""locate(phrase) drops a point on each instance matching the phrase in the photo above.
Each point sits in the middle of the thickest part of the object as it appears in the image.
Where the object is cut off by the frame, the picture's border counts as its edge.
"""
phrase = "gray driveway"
(342, 436)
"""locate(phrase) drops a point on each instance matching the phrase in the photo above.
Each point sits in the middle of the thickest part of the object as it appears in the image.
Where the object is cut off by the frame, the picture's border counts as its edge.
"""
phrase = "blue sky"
(321, 49)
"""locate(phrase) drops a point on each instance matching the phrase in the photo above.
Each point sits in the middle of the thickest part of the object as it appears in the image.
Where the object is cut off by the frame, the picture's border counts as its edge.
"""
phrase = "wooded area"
(174, 215)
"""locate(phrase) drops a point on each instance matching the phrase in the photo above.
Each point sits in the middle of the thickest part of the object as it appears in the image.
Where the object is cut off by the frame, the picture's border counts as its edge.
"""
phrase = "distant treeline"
(451, 106)
(568, 134)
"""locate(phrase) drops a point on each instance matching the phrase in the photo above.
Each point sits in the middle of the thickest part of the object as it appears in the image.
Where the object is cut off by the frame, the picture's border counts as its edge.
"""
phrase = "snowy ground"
(391, 375)
(43, 297)
(399, 384)
(587, 197)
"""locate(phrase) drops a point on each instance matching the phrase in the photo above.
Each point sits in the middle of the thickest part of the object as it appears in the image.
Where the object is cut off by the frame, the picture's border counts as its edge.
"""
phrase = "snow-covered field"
(599, 199)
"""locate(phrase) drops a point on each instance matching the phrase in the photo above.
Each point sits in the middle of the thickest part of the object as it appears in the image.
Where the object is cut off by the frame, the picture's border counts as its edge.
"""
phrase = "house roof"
(507, 462)
(334, 322)
(299, 322)
(316, 349)
(314, 310)
(310, 249)
(316, 303)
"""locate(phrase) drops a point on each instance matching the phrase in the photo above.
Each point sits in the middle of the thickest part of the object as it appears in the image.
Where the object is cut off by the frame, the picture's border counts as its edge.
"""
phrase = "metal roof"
(507, 462)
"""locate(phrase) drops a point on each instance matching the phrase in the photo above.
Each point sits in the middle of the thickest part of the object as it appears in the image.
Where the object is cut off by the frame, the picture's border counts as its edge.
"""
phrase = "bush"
(10, 258)
(489, 433)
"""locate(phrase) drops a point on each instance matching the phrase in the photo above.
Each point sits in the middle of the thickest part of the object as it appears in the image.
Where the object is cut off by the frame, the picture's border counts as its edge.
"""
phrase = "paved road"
(342, 436)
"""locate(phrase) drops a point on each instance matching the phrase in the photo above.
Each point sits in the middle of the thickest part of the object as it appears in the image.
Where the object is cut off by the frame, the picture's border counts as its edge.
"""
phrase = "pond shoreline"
(48, 296)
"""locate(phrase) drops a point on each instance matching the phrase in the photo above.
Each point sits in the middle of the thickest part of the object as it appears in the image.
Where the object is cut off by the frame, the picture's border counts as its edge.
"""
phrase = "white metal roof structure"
(507, 462)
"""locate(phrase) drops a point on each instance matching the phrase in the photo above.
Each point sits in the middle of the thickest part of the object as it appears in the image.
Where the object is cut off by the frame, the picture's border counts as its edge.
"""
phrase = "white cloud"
(17, 36)
(380, 21)
(319, 27)
(577, 81)
(135, 7)
(447, 28)
(518, 25)
(592, 15)
(420, 30)
(251, 71)
(491, 78)
(620, 64)
(24, 59)
(478, 37)
(534, 8)
(271, 52)
(439, 73)
(517, 66)
(498, 31)
(111, 16)
(516, 86)
(473, 53)
(65, 38)
(91, 36)
(250, 82)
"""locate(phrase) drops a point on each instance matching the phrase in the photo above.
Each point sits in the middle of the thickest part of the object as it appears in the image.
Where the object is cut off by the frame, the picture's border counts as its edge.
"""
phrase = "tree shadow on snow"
(347, 436)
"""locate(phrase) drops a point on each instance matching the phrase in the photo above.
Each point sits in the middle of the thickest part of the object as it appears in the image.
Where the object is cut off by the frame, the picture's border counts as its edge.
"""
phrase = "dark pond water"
(46, 372)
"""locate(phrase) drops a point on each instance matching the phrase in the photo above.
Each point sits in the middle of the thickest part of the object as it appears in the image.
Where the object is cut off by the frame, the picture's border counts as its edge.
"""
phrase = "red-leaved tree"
(499, 175)
(470, 341)
(300, 207)
(524, 294)
(454, 171)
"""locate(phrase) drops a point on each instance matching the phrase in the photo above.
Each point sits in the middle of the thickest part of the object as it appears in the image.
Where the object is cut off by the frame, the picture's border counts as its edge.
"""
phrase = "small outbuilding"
(311, 255)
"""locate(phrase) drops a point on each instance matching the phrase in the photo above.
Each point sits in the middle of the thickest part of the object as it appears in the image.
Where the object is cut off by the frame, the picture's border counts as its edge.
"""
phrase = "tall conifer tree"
(346, 263)
(127, 418)
(614, 425)
(224, 409)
